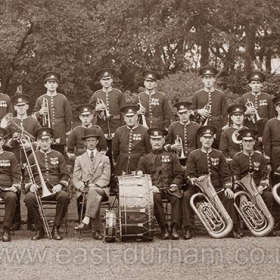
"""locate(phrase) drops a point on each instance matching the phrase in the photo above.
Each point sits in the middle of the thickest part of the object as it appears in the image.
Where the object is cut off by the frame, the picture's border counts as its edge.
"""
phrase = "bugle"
(210, 210)
(143, 118)
(252, 209)
(45, 191)
(255, 118)
(179, 141)
(46, 120)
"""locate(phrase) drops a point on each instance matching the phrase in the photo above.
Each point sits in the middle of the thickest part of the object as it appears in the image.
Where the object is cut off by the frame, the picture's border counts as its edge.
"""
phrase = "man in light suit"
(92, 175)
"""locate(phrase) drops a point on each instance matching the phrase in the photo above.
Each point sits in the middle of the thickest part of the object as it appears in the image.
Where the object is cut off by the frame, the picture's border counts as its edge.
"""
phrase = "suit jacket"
(98, 172)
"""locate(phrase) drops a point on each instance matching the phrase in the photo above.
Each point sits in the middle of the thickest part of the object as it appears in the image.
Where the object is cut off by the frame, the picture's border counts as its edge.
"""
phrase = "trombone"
(45, 191)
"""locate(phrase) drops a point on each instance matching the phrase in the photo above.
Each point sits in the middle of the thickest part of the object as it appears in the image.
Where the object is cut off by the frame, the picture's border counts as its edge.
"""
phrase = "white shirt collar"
(89, 152)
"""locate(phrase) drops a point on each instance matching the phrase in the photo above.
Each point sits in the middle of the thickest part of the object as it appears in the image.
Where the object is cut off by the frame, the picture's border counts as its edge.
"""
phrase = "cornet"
(255, 118)
(144, 122)
(180, 142)
(46, 121)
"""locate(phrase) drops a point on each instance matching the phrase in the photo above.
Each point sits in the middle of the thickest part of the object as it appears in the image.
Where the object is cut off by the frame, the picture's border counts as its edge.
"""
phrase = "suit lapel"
(96, 161)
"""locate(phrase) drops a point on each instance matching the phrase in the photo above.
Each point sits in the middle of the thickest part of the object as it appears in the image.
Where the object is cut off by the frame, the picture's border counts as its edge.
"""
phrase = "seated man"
(204, 161)
(55, 174)
(250, 161)
(10, 176)
(167, 175)
(92, 175)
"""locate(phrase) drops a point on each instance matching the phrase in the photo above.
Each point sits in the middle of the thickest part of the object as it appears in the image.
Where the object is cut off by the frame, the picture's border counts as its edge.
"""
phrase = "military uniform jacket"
(158, 109)
(218, 106)
(5, 105)
(97, 171)
(10, 173)
(199, 163)
(271, 141)
(53, 168)
(188, 134)
(164, 167)
(128, 146)
(60, 115)
(30, 125)
(256, 164)
(227, 146)
(265, 108)
(75, 143)
(114, 100)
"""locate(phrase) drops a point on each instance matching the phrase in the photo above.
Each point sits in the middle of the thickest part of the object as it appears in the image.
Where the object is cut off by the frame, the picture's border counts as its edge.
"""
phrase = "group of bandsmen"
(117, 137)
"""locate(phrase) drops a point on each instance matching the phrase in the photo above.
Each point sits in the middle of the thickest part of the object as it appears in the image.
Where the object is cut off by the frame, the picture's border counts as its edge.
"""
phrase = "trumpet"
(8, 121)
(255, 118)
(105, 115)
(144, 122)
(45, 191)
(253, 210)
(46, 120)
(179, 141)
(210, 210)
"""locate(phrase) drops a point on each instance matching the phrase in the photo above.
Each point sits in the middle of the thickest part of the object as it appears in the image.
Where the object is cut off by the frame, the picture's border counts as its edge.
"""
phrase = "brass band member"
(185, 130)
(229, 144)
(10, 176)
(92, 176)
(155, 105)
(167, 177)
(259, 105)
(58, 110)
(5, 102)
(131, 141)
(201, 162)
(75, 144)
(56, 176)
(210, 103)
(250, 161)
(271, 141)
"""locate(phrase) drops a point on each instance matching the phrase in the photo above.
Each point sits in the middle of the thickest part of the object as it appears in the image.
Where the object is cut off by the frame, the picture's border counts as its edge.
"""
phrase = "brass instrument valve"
(52, 110)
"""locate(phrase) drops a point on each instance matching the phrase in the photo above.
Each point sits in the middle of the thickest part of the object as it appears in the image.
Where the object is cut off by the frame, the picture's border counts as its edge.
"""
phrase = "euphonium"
(275, 192)
(253, 210)
(144, 122)
(46, 118)
(210, 210)
(179, 141)
(255, 118)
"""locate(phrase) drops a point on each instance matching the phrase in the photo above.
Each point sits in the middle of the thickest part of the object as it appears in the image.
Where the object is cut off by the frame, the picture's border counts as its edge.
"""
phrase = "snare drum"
(136, 208)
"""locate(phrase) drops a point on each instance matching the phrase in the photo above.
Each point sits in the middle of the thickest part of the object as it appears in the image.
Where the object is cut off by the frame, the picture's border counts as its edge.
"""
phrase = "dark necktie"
(92, 156)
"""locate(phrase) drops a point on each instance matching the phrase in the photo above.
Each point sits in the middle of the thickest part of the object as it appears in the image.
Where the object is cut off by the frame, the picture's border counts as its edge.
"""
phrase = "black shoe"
(6, 235)
(97, 235)
(16, 226)
(55, 234)
(39, 235)
(187, 233)
(174, 234)
(165, 233)
(236, 234)
(273, 233)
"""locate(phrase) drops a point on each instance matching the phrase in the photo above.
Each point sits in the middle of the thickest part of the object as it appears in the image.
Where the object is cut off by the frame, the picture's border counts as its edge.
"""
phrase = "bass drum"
(136, 208)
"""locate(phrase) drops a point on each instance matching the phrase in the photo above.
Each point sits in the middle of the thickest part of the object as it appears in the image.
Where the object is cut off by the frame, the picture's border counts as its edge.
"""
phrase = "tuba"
(210, 209)
(275, 192)
(255, 118)
(253, 211)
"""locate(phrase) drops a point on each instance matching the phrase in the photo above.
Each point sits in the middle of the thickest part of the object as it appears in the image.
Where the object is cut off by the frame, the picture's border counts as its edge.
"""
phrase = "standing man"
(229, 143)
(271, 142)
(75, 144)
(202, 162)
(92, 176)
(5, 103)
(259, 105)
(167, 176)
(131, 141)
(185, 130)
(53, 110)
(210, 104)
(250, 161)
(155, 105)
(10, 176)
(56, 176)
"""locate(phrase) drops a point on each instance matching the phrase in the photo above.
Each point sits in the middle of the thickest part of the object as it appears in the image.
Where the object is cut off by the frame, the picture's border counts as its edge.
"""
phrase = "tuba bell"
(210, 209)
(253, 210)
(275, 192)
